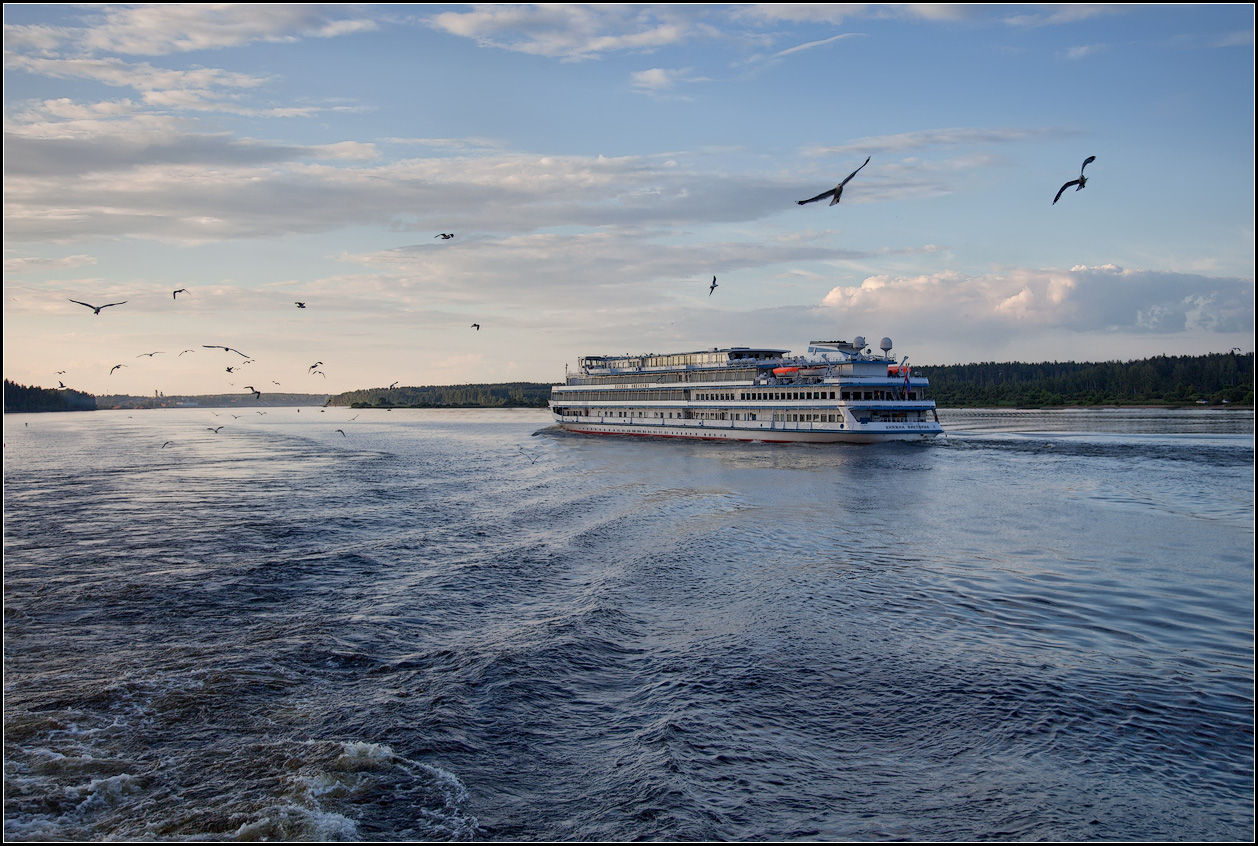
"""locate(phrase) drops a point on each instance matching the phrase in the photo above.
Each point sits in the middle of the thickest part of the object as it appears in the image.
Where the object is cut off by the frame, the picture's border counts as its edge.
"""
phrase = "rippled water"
(467, 625)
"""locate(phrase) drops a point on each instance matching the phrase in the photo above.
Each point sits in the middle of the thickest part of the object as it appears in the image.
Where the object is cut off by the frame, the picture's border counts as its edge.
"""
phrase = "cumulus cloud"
(1105, 299)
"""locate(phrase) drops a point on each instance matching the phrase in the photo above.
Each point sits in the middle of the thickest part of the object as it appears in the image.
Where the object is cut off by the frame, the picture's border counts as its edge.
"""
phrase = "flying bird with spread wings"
(837, 190)
(174, 295)
(1079, 183)
(712, 287)
(96, 309)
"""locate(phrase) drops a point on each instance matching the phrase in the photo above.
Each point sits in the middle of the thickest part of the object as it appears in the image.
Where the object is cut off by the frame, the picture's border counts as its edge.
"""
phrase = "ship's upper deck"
(705, 359)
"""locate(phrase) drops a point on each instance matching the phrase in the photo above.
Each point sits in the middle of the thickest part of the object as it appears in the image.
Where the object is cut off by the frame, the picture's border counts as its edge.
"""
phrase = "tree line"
(24, 398)
(1215, 379)
(499, 395)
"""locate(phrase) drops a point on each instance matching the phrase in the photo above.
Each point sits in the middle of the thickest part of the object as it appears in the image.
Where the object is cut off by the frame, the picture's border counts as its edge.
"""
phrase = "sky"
(598, 165)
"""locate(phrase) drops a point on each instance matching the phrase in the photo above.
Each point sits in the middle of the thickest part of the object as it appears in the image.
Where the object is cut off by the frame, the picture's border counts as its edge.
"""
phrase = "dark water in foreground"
(465, 625)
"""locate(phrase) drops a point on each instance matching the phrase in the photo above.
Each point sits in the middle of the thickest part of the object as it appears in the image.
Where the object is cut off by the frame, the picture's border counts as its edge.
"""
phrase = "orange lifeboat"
(785, 371)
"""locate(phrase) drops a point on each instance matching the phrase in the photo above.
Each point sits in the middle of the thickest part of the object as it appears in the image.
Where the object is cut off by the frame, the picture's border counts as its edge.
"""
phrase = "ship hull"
(762, 435)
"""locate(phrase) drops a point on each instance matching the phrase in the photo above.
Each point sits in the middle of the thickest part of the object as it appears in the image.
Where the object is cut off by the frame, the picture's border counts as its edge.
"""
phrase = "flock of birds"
(835, 194)
(96, 309)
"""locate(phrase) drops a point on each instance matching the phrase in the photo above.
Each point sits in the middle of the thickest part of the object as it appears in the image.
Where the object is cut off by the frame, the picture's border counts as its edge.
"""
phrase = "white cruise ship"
(837, 392)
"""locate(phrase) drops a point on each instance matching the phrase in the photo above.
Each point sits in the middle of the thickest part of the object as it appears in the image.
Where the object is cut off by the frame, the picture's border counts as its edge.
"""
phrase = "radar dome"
(859, 342)
(885, 346)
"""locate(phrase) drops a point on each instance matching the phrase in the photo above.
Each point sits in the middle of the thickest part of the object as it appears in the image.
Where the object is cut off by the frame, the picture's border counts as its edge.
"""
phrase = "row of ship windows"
(730, 396)
(735, 374)
(763, 396)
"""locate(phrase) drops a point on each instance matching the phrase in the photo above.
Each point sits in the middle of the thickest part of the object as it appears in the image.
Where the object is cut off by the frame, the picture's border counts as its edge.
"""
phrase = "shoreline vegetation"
(1214, 380)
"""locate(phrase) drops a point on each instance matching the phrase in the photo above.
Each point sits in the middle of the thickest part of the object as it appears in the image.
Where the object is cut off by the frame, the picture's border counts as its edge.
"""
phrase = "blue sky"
(598, 165)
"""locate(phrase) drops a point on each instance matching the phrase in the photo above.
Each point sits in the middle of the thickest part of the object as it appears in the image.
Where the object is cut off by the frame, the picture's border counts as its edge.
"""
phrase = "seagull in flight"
(837, 190)
(256, 393)
(62, 384)
(299, 304)
(213, 429)
(713, 286)
(313, 366)
(150, 355)
(96, 309)
(174, 295)
(532, 458)
(185, 352)
(168, 443)
(476, 326)
(1080, 182)
(227, 349)
(115, 367)
(321, 373)
(342, 433)
(394, 385)
(445, 236)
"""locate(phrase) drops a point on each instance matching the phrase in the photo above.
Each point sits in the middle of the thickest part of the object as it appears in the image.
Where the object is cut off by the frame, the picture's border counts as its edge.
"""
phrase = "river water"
(467, 625)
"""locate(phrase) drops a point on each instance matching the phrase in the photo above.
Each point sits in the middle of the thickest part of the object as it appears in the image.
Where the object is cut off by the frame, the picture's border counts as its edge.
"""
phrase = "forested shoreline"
(24, 398)
(1215, 379)
(496, 395)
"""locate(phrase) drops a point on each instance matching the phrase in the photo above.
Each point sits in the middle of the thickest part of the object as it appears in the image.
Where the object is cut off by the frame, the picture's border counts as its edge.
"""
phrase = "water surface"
(468, 625)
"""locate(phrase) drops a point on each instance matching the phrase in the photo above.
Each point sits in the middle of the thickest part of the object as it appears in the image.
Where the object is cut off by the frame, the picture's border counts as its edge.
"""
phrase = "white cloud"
(156, 29)
(1085, 50)
(572, 31)
(25, 264)
(1104, 299)
(655, 79)
(956, 136)
(141, 76)
(838, 13)
(1065, 13)
(149, 183)
(660, 81)
(799, 48)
